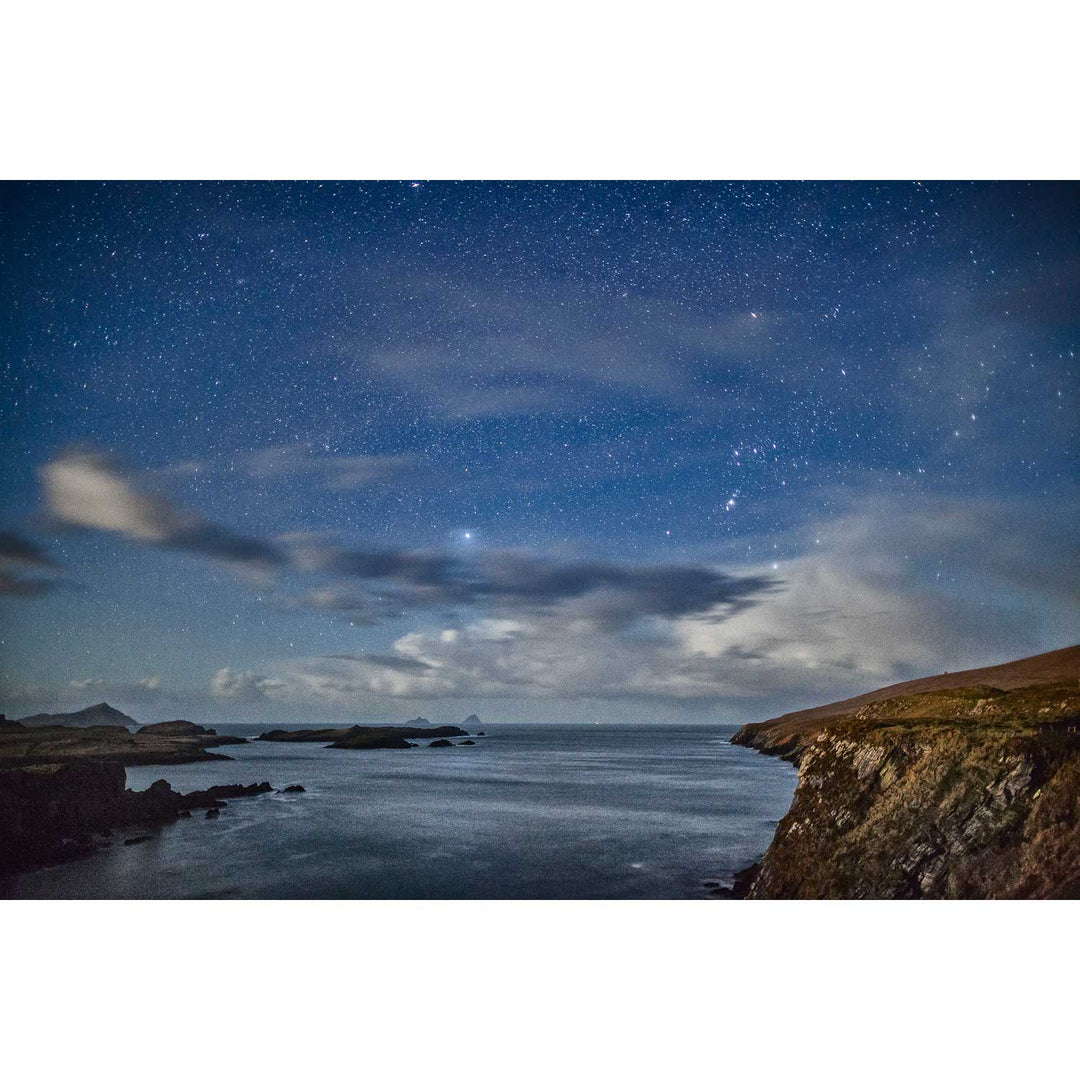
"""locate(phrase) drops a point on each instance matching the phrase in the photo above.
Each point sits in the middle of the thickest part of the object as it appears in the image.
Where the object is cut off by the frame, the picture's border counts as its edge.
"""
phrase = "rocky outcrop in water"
(52, 812)
(185, 728)
(969, 792)
(360, 737)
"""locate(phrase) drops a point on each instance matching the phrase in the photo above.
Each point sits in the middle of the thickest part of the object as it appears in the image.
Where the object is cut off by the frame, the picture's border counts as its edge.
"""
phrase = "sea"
(532, 811)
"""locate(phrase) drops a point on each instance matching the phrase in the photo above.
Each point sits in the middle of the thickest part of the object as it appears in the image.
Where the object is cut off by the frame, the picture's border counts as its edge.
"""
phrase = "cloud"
(360, 609)
(19, 553)
(489, 351)
(146, 689)
(17, 550)
(89, 490)
(242, 685)
(600, 592)
(12, 585)
(890, 588)
(25, 698)
(338, 472)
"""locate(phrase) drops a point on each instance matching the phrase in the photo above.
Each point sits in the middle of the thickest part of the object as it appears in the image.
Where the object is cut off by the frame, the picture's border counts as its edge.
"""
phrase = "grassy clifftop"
(960, 792)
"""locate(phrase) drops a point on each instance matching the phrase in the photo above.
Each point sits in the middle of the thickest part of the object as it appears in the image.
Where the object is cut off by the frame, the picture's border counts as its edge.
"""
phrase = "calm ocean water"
(530, 812)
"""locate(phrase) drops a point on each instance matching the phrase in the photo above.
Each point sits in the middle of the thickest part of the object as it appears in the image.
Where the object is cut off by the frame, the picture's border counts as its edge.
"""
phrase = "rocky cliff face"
(958, 794)
(52, 812)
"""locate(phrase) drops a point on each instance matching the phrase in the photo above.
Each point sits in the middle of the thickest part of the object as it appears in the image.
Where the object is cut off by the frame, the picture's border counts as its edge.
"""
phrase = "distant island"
(360, 737)
(172, 743)
(98, 715)
(962, 785)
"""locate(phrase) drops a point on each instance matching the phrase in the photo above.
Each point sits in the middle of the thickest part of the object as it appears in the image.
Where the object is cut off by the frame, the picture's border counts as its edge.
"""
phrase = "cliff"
(962, 792)
(53, 812)
(787, 733)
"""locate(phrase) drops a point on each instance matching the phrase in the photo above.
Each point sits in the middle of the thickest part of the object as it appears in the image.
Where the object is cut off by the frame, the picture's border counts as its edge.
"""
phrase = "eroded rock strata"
(970, 792)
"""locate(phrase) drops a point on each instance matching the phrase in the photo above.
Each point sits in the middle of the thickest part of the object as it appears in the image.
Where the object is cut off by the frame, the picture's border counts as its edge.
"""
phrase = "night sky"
(542, 451)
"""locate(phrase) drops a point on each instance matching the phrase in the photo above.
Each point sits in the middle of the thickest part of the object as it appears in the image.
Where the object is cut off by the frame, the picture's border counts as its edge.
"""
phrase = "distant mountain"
(92, 716)
(420, 722)
(472, 720)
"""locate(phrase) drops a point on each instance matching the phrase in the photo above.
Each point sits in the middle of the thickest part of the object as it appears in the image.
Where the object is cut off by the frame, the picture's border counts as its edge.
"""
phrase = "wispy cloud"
(602, 592)
(19, 554)
(17, 550)
(89, 490)
(341, 472)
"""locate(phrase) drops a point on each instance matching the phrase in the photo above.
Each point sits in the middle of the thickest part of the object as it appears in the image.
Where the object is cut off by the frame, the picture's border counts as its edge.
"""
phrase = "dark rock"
(43, 808)
(293, 788)
(51, 812)
(229, 791)
(136, 840)
(441, 742)
(466, 742)
(367, 741)
(173, 727)
(363, 737)
(213, 812)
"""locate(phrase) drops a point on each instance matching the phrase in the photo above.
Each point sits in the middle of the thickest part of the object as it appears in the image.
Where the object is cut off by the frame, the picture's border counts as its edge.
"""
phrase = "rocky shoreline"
(967, 792)
(51, 813)
(63, 788)
(62, 784)
(174, 743)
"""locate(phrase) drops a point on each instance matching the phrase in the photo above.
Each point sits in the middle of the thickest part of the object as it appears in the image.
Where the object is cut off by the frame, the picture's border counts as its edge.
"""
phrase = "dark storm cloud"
(220, 543)
(667, 591)
(609, 592)
(88, 490)
(17, 549)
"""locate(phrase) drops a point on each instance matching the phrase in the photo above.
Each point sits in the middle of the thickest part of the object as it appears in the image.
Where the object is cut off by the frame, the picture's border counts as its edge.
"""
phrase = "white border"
(472, 90)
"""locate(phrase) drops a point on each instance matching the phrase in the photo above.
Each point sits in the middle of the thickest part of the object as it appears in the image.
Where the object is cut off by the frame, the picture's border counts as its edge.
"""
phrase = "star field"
(368, 445)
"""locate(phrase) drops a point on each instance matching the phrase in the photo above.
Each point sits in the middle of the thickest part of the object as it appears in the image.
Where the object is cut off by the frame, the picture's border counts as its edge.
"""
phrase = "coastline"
(970, 792)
